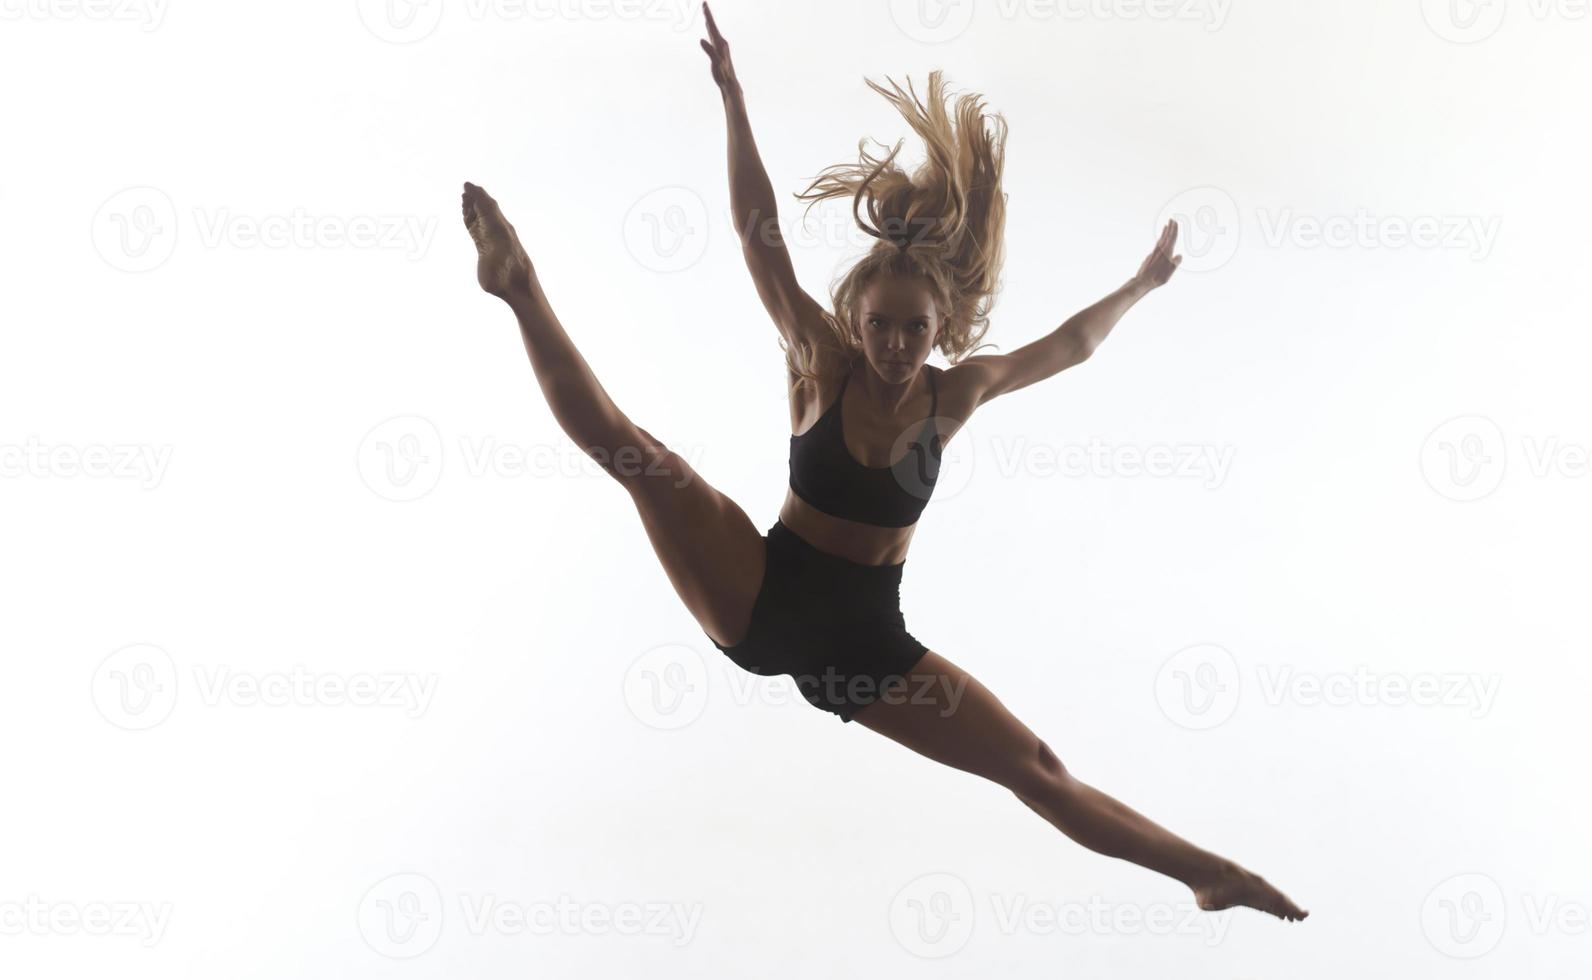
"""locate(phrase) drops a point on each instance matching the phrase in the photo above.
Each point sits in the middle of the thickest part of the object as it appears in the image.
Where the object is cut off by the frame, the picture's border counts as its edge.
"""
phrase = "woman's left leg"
(944, 713)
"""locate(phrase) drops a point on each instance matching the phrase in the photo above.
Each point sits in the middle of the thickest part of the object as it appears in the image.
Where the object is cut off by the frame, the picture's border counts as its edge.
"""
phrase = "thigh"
(711, 551)
(943, 712)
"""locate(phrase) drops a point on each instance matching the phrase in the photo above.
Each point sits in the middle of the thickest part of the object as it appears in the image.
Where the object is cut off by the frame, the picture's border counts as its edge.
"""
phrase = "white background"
(278, 522)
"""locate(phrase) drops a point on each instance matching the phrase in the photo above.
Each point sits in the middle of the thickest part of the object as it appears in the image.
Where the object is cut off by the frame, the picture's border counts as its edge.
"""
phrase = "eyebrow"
(915, 316)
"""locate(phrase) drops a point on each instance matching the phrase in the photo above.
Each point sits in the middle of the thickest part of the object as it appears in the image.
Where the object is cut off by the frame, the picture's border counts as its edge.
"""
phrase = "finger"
(713, 27)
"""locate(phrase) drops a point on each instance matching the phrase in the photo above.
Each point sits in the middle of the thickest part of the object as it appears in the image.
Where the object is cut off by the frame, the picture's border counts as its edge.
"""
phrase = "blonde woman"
(816, 596)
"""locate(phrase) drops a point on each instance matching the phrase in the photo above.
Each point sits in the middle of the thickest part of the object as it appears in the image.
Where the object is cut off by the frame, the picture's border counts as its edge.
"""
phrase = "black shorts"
(832, 624)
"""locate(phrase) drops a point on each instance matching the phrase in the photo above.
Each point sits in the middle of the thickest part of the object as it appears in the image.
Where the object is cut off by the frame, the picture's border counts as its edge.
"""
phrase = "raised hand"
(718, 51)
(1158, 267)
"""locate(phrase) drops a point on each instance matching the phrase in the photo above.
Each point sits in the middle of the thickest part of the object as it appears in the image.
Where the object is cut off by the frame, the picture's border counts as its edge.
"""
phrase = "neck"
(888, 396)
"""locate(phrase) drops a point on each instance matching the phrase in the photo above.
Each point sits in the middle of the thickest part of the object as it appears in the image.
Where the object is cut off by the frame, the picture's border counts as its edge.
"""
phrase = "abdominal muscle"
(865, 544)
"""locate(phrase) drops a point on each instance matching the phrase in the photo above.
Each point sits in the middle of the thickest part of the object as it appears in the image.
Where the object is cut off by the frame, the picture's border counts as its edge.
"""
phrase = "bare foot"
(503, 269)
(1235, 886)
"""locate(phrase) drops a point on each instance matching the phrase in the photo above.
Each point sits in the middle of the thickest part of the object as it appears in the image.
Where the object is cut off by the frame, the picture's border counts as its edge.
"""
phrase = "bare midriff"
(865, 544)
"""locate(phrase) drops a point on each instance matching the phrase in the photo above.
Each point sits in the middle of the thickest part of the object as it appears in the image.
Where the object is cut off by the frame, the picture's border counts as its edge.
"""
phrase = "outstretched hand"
(718, 51)
(1158, 267)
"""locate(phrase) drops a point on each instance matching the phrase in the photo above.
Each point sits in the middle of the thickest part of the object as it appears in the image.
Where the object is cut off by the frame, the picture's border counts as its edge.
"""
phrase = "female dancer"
(817, 595)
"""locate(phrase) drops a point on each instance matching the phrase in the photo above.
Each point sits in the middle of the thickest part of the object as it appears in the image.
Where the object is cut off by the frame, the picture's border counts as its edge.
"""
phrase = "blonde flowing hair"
(943, 223)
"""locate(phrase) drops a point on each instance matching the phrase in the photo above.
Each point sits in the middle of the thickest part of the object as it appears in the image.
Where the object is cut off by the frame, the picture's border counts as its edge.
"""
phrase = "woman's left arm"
(1075, 340)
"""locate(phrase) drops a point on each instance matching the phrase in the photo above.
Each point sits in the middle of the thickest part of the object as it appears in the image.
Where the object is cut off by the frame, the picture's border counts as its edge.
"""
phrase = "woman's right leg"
(711, 551)
(945, 714)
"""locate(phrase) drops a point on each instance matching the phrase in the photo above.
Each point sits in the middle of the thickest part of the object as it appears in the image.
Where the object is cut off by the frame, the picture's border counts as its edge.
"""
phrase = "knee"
(641, 462)
(1043, 774)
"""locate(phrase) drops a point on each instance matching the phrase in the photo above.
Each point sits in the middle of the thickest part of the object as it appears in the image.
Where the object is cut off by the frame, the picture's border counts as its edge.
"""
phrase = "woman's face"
(897, 322)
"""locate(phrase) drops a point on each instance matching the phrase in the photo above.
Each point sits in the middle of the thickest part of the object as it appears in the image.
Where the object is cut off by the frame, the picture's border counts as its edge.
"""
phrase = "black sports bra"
(825, 474)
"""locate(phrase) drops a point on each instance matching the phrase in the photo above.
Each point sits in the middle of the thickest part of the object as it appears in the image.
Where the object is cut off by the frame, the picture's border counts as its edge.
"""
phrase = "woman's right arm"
(753, 205)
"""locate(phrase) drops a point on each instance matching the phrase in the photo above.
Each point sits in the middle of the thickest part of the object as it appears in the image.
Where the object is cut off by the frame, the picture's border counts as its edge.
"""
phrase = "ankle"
(1216, 870)
(525, 299)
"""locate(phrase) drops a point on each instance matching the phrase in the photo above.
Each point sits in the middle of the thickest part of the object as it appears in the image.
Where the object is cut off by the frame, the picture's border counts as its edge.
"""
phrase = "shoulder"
(960, 388)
